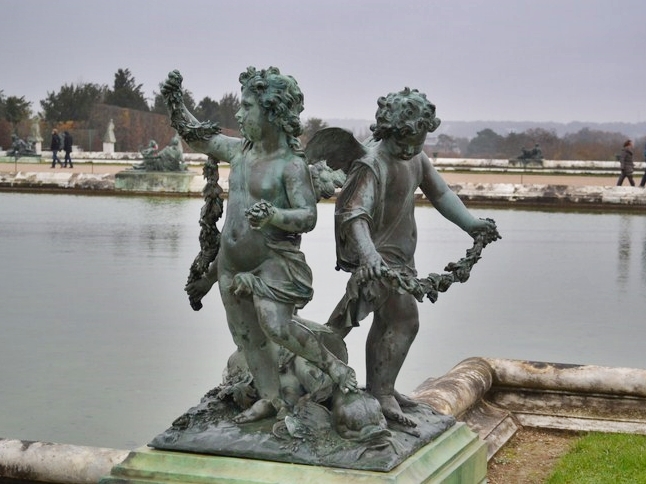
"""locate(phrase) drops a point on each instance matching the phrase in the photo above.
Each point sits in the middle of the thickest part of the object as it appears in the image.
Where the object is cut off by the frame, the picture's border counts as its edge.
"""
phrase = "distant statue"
(150, 151)
(171, 158)
(34, 135)
(20, 147)
(109, 134)
(17, 144)
(530, 156)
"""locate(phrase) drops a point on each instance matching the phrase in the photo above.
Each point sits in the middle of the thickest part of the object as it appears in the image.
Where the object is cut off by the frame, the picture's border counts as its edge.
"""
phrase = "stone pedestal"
(108, 147)
(145, 181)
(455, 457)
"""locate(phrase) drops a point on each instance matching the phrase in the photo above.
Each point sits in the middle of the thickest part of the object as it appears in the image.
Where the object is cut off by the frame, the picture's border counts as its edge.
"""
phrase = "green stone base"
(455, 457)
(146, 181)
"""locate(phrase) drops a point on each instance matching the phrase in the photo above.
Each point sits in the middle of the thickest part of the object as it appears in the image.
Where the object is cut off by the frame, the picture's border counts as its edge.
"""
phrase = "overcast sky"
(516, 60)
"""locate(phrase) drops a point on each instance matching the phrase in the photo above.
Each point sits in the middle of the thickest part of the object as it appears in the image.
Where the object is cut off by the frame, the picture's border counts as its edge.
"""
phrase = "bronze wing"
(337, 146)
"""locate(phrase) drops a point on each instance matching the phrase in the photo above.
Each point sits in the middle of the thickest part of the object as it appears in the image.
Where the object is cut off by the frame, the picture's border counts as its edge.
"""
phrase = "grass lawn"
(599, 458)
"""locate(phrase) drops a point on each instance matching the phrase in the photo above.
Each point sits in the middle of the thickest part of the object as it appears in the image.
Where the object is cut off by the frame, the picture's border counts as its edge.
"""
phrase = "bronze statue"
(170, 158)
(376, 234)
(530, 156)
(20, 147)
(288, 393)
(150, 151)
(262, 275)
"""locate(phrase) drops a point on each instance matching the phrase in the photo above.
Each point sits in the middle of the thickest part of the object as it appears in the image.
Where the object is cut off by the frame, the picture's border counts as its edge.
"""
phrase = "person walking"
(626, 163)
(55, 146)
(67, 148)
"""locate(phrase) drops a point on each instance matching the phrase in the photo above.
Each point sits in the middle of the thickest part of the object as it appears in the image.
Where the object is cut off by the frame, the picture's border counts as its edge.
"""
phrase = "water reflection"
(625, 233)
(628, 261)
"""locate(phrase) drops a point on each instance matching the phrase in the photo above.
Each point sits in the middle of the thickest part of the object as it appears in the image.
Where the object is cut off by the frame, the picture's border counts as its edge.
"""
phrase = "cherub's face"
(407, 147)
(251, 117)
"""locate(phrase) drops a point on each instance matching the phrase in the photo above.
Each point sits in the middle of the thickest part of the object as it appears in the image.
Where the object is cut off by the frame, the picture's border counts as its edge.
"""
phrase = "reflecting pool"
(100, 346)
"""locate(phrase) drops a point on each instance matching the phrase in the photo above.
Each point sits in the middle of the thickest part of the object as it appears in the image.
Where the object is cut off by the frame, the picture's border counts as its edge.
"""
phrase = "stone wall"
(120, 157)
(504, 194)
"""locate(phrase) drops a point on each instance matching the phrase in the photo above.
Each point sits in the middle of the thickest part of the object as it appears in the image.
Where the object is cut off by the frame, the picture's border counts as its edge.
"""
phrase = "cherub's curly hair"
(280, 97)
(403, 114)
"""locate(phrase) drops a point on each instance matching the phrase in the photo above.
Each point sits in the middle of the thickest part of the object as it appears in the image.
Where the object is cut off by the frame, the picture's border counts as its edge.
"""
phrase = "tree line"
(85, 110)
(585, 144)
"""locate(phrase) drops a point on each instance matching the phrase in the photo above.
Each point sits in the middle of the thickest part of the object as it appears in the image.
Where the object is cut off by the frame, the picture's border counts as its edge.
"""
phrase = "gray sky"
(516, 60)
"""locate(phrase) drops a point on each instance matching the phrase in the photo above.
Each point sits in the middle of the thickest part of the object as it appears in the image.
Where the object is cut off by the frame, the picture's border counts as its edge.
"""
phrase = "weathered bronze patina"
(20, 147)
(288, 393)
(170, 158)
(376, 236)
(532, 156)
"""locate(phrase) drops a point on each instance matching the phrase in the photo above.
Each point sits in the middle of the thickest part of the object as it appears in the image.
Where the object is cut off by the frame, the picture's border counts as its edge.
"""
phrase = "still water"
(99, 345)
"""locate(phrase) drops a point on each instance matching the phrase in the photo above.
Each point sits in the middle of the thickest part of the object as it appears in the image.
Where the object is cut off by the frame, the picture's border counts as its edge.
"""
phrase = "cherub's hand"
(172, 84)
(372, 267)
(198, 289)
(487, 227)
(259, 214)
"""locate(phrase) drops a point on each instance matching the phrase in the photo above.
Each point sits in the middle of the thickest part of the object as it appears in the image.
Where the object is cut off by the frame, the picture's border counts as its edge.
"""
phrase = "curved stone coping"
(466, 383)
(495, 396)
(576, 378)
(459, 389)
(59, 463)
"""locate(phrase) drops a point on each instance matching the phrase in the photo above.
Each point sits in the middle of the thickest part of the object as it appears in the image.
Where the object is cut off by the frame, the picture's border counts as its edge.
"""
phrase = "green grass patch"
(599, 458)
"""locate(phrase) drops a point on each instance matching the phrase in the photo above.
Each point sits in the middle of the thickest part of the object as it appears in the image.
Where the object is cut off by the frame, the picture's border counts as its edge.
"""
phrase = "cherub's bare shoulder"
(295, 162)
(424, 161)
(231, 146)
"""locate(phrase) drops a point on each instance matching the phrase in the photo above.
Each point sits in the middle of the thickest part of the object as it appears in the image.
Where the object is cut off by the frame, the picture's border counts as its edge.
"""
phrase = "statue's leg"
(277, 322)
(260, 353)
(394, 327)
(338, 320)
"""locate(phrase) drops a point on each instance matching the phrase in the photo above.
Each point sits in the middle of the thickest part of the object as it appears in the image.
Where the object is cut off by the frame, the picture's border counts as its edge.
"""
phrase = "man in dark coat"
(627, 164)
(55, 146)
(67, 148)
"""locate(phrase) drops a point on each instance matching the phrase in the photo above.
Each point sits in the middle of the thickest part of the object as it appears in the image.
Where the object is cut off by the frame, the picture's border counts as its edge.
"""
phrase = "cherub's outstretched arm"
(446, 201)
(205, 136)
